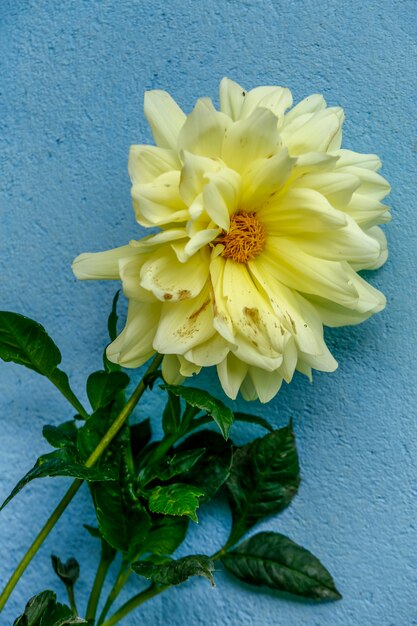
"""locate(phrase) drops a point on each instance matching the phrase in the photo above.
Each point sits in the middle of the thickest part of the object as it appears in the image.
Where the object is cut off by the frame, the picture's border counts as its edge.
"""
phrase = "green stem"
(71, 599)
(106, 440)
(134, 602)
(39, 541)
(94, 598)
(120, 582)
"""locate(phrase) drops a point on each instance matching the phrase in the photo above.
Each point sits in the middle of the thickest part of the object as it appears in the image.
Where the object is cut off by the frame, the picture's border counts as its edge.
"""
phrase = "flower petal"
(367, 211)
(148, 162)
(165, 118)
(159, 202)
(194, 175)
(133, 346)
(171, 370)
(336, 186)
(266, 384)
(316, 134)
(221, 195)
(265, 177)
(204, 130)
(348, 157)
(232, 97)
(184, 324)
(379, 236)
(300, 211)
(255, 137)
(101, 265)
(231, 372)
(168, 279)
(276, 99)
(211, 352)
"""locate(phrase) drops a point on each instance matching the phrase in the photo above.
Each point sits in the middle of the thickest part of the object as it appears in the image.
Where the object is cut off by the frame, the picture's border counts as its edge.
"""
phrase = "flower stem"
(116, 589)
(134, 602)
(71, 599)
(95, 455)
(99, 579)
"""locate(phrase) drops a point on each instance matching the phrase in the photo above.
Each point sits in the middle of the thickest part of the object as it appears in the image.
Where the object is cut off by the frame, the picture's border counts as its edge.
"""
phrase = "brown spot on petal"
(167, 296)
(252, 314)
(200, 310)
(184, 294)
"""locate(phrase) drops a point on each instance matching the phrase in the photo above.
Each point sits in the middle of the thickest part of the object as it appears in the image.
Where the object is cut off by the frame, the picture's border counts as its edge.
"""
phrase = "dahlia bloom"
(263, 223)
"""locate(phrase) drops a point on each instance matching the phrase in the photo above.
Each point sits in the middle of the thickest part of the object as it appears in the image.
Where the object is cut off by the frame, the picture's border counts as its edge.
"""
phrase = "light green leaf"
(103, 387)
(165, 535)
(274, 560)
(60, 436)
(176, 499)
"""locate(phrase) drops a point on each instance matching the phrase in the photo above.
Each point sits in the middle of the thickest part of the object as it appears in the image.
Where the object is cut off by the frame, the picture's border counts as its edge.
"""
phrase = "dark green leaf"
(26, 342)
(274, 560)
(264, 478)
(254, 419)
(122, 520)
(102, 387)
(165, 535)
(176, 499)
(68, 572)
(35, 608)
(140, 435)
(202, 400)
(171, 417)
(60, 436)
(179, 463)
(44, 610)
(93, 431)
(213, 468)
(62, 462)
(113, 317)
(108, 553)
(176, 572)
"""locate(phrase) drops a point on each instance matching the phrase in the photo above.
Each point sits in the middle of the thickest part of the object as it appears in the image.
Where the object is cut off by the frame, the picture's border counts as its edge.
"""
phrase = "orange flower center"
(245, 238)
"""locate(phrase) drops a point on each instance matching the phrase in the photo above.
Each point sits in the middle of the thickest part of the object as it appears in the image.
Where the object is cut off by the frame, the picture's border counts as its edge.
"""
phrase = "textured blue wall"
(73, 76)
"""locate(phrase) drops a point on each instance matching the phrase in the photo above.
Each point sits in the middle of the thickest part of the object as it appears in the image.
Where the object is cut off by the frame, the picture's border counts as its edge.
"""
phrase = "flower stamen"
(245, 238)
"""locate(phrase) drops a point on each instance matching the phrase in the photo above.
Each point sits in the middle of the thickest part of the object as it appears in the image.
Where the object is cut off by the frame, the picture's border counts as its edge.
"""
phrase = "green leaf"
(44, 610)
(178, 571)
(165, 535)
(108, 553)
(171, 417)
(60, 436)
(274, 560)
(179, 463)
(176, 499)
(213, 468)
(263, 480)
(103, 387)
(113, 317)
(140, 435)
(68, 572)
(202, 400)
(254, 419)
(122, 520)
(62, 462)
(26, 342)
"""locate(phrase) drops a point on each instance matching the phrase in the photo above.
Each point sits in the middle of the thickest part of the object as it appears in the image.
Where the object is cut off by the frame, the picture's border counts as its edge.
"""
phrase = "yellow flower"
(263, 224)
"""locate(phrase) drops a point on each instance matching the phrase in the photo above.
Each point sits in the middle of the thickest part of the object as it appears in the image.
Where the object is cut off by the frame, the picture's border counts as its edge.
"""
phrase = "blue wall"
(73, 78)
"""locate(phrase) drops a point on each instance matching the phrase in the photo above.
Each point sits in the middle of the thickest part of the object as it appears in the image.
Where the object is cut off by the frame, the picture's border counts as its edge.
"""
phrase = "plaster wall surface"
(72, 80)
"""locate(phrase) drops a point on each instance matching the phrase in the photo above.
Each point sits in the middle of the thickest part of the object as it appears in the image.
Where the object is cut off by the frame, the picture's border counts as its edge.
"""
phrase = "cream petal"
(204, 130)
(232, 97)
(221, 195)
(349, 243)
(276, 99)
(194, 175)
(248, 390)
(265, 177)
(171, 370)
(165, 118)
(336, 186)
(184, 324)
(167, 279)
(367, 211)
(335, 315)
(266, 384)
(129, 270)
(153, 241)
(348, 157)
(315, 135)
(295, 313)
(211, 352)
(133, 346)
(370, 299)
(371, 183)
(312, 162)
(159, 202)
(300, 211)
(200, 239)
(311, 275)
(308, 106)
(289, 361)
(251, 312)
(255, 137)
(305, 369)
(323, 362)
(249, 353)
(188, 369)
(379, 236)
(231, 372)
(222, 321)
(101, 265)
(148, 162)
